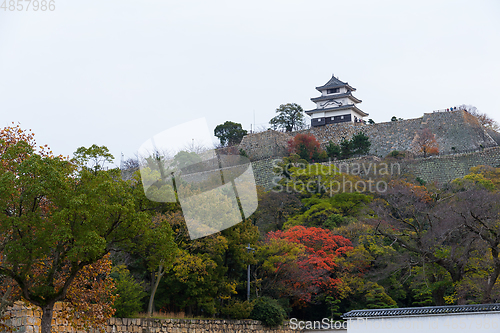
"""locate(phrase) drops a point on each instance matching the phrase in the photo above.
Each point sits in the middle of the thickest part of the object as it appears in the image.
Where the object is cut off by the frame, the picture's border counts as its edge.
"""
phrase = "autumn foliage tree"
(483, 118)
(450, 239)
(318, 270)
(90, 297)
(426, 143)
(306, 146)
(56, 220)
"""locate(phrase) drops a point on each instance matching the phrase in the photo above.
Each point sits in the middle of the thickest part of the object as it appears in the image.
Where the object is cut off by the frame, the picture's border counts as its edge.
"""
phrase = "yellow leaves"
(230, 289)
(11, 135)
(420, 192)
(90, 296)
(485, 176)
(451, 299)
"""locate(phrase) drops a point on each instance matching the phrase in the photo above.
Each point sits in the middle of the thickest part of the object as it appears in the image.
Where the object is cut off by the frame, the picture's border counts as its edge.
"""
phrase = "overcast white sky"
(116, 73)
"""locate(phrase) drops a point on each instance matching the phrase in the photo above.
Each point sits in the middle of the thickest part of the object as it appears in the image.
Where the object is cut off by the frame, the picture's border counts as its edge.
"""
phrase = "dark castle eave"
(338, 108)
(333, 96)
(335, 86)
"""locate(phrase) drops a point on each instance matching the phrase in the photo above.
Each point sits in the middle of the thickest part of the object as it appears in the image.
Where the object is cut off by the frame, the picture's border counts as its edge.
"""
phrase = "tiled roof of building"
(431, 310)
(334, 83)
(338, 108)
(334, 96)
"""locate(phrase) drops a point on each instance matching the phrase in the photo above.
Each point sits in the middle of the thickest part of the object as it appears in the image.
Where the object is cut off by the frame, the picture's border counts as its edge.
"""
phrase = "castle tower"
(336, 104)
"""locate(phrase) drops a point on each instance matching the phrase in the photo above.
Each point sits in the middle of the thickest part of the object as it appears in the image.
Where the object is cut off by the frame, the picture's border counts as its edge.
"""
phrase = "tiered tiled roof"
(431, 310)
(335, 83)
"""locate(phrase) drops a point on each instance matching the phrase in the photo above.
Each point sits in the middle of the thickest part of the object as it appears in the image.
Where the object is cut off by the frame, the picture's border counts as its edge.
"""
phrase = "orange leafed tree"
(426, 143)
(319, 270)
(56, 227)
(305, 145)
(91, 296)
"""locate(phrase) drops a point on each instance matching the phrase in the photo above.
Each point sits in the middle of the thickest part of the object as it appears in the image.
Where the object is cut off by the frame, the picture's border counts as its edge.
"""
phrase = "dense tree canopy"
(318, 270)
(229, 133)
(290, 117)
(57, 219)
(358, 145)
(446, 235)
(306, 146)
(320, 244)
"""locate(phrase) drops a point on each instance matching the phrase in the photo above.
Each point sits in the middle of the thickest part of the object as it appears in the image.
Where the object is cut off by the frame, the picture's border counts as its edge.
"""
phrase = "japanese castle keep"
(336, 104)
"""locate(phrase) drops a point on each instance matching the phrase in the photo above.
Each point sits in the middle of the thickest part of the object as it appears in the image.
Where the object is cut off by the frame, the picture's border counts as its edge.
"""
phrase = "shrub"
(333, 150)
(421, 181)
(345, 149)
(243, 153)
(333, 221)
(397, 154)
(360, 144)
(238, 309)
(268, 311)
(322, 156)
(129, 292)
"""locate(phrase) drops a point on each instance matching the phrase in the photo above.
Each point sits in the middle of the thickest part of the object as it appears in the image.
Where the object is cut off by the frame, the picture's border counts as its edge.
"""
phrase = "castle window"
(333, 91)
(341, 117)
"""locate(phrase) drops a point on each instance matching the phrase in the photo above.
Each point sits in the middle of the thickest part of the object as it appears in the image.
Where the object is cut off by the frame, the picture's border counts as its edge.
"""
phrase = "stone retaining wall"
(443, 169)
(27, 320)
(439, 169)
(454, 131)
(143, 325)
(494, 135)
(263, 145)
(263, 172)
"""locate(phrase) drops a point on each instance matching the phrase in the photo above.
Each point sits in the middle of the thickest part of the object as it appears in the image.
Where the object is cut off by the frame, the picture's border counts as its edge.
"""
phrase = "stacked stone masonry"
(494, 135)
(439, 169)
(455, 131)
(124, 325)
(444, 169)
(263, 145)
(263, 173)
(26, 319)
(463, 143)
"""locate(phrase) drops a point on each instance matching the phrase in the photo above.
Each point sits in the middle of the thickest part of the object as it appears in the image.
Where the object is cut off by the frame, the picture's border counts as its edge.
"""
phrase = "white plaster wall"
(452, 323)
(337, 113)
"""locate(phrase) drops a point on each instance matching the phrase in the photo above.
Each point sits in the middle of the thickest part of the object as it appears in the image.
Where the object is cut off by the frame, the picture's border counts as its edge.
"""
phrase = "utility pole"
(248, 273)
(254, 120)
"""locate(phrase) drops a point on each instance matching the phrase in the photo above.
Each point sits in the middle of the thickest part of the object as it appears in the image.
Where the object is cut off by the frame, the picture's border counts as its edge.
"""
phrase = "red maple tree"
(304, 145)
(319, 270)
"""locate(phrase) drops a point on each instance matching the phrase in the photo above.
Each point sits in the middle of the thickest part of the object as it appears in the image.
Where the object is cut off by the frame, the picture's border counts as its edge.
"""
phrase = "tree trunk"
(492, 279)
(47, 311)
(153, 290)
(4, 303)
